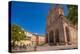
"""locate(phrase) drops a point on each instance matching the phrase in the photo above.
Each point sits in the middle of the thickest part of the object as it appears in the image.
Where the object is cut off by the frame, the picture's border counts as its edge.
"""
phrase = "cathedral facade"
(59, 31)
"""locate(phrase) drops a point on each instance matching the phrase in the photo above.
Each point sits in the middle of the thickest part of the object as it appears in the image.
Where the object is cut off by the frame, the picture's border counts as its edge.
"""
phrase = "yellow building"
(34, 39)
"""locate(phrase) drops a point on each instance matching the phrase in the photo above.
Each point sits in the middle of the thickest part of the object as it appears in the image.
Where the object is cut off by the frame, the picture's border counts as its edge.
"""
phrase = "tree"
(73, 14)
(17, 33)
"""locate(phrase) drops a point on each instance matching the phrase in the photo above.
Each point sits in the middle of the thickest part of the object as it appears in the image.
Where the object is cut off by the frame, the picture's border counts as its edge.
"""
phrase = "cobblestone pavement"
(47, 48)
(29, 49)
(62, 47)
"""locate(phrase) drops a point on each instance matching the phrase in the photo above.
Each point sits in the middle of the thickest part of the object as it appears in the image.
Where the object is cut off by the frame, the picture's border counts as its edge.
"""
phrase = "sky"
(32, 16)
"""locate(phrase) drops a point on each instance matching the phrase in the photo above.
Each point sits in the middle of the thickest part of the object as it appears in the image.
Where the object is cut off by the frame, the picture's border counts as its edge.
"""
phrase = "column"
(48, 38)
(54, 38)
(65, 37)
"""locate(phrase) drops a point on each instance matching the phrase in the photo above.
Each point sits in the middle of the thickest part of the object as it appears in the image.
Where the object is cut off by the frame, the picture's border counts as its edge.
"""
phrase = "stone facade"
(59, 30)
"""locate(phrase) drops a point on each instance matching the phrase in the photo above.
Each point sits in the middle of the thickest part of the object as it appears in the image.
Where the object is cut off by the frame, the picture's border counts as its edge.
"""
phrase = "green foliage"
(17, 33)
(73, 13)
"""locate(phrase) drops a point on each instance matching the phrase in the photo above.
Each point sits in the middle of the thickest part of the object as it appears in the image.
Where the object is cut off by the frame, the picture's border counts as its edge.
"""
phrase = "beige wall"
(73, 33)
(41, 39)
(33, 38)
(74, 36)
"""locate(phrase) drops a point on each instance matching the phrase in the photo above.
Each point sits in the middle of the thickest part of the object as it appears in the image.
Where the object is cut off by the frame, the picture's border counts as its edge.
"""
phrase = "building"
(38, 39)
(35, 39)
(28, 34)
(26, 42)
(32, 39)
(41, 40)
(59, 31)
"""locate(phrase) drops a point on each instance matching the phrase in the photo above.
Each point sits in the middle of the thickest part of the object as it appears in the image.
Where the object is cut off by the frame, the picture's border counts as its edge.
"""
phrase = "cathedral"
(59, 30)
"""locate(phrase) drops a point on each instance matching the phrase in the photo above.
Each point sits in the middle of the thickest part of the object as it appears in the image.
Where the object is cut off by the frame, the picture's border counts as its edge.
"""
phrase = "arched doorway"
(51, 38)
(67, 34)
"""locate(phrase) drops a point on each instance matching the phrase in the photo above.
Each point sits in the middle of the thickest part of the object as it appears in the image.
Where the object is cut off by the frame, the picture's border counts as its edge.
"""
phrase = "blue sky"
(31, 16)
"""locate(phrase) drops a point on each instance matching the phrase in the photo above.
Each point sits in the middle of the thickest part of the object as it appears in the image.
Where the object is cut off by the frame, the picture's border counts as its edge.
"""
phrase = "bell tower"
(54, 14)
(54, 25)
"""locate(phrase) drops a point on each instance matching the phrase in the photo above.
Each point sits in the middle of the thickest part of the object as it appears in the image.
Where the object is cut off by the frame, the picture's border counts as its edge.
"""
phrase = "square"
(42, 26)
